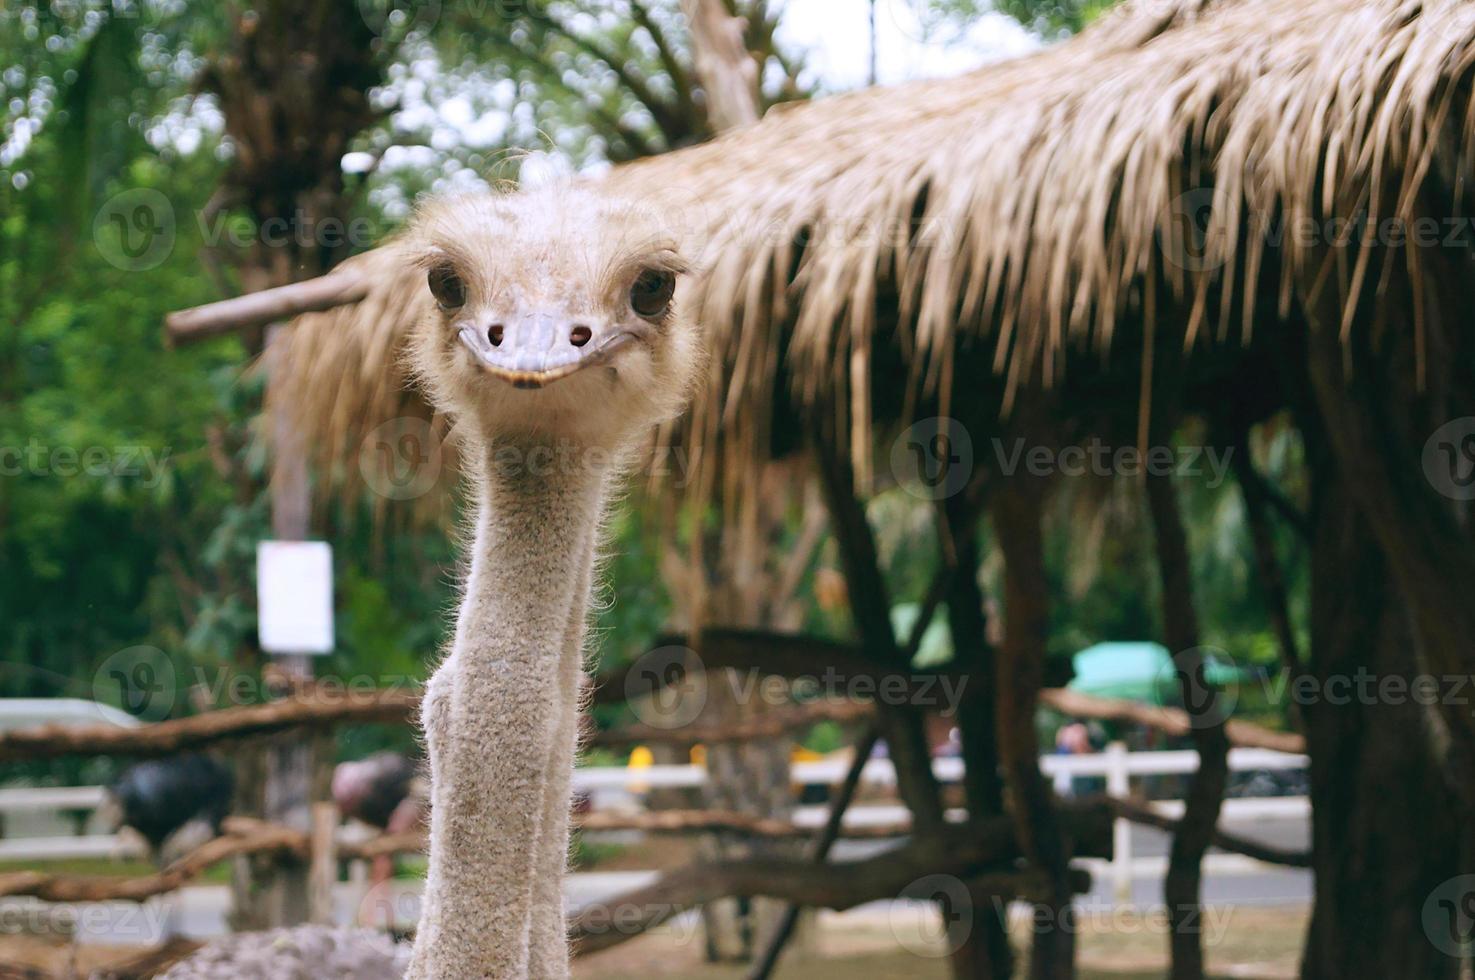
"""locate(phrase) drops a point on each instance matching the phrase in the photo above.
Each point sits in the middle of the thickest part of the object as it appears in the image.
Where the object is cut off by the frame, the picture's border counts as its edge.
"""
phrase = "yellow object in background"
(641, 757)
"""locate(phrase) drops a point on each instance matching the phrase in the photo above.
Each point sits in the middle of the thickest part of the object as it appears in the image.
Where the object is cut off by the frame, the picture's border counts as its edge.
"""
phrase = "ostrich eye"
(447, 288)
(651, 295)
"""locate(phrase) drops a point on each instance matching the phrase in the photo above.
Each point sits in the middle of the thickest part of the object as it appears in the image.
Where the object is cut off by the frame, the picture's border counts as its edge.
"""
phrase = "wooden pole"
(323, 870)
(834, 826)
(288, 793)
(1018, 518)
(1183, 884)
(267, 306)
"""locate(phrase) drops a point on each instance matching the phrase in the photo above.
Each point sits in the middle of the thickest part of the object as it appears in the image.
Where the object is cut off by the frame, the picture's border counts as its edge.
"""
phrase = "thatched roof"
(1029, 204)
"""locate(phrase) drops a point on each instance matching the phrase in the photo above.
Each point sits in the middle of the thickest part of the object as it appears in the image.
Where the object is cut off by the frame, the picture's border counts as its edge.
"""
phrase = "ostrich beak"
(537, 349)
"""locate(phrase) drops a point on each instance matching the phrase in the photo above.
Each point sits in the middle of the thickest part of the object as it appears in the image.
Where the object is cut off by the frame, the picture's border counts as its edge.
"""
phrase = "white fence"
(1116, 765)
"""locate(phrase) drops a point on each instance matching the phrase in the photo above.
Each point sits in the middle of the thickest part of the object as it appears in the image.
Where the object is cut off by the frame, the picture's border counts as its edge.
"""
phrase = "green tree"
(1051, 18)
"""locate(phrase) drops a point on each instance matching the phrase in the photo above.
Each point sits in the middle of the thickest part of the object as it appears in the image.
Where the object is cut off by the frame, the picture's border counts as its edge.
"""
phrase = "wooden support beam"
(316, 708)
(1018, 518)
(1169, 721)
(267, 306)
(966, 851)
(242, 836)
(1183, 885)
(782, 721)
(320, 708)
(870, 607)
(834, 827)
(322, 872)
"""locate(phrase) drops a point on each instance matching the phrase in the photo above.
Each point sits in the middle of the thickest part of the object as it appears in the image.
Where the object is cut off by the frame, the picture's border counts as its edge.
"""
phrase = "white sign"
(294, 596)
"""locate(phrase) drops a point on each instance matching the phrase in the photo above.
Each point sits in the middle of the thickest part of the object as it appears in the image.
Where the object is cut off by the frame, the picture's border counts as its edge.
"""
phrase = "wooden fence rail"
(326, 708)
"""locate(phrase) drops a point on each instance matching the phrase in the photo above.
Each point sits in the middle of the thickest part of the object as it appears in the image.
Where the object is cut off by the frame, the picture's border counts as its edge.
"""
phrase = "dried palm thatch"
(1033, 205)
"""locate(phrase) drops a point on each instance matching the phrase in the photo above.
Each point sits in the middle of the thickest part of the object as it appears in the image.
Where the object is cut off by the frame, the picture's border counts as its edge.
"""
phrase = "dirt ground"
(1261, 943)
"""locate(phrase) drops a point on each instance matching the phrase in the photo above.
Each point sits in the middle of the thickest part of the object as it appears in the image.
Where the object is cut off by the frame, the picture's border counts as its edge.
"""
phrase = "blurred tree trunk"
(1394, 389)
(293, 84)
(728, 73)
(1184, 882)
(1018, 516)
(748, 589)
(985, 953)
(1386, 418)
(1384, 826)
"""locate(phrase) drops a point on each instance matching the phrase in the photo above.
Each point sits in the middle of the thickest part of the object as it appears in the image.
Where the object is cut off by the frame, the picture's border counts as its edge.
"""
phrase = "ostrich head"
(556, 316)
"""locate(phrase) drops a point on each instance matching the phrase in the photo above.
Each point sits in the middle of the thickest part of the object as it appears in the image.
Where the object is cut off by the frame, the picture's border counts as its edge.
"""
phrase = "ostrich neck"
(495, 707)
(535, 526)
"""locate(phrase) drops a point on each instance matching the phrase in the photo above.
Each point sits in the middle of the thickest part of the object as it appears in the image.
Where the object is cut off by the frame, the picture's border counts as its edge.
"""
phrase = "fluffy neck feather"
(497, 711)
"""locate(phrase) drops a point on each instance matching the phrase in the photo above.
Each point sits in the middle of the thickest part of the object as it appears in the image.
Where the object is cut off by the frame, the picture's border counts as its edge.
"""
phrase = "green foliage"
(154, 544)
(102, 427)
(1051, 18)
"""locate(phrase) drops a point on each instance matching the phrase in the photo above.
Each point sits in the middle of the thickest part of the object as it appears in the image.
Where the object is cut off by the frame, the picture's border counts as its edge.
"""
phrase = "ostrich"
(556, 344)
(382, 791)
(379, 791)
(175, 804)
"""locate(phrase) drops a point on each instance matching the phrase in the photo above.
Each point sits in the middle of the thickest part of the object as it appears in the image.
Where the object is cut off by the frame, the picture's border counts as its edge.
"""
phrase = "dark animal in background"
(386, 792)
(175, 804)
(380, 791)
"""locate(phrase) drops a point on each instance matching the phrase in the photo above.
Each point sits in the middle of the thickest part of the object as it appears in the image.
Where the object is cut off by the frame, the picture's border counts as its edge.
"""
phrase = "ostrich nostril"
(494, 334)
(580, 335)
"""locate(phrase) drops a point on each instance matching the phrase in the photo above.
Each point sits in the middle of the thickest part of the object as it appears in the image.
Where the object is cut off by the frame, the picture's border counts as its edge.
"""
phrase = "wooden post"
(1018, 518)
(834, 826)
(288, 795)
(1183, 884)
(1118, 785)
(323, 870)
